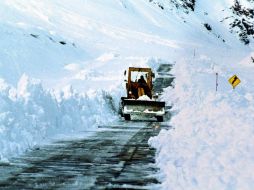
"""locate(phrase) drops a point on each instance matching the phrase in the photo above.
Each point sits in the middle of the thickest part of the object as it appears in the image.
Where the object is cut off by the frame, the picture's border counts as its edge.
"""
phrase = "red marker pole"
(216, 82)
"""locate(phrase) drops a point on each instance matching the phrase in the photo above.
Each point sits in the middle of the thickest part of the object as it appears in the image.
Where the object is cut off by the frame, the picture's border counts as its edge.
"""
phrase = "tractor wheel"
(159, 118)
(120, 112)
(127, 117)
(120, 109)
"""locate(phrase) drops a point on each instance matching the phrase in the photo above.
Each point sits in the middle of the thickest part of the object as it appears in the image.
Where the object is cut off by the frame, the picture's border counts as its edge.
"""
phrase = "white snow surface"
(144, 97)
(210, 144)
(61, 70)
(30, 115)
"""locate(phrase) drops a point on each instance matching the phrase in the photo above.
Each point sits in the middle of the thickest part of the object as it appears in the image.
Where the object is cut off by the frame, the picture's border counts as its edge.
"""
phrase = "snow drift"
(30, 115)
(211, 143)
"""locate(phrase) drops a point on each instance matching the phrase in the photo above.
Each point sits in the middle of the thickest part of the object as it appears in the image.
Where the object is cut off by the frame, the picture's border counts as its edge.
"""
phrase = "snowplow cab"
(139, 95)
(139, 82)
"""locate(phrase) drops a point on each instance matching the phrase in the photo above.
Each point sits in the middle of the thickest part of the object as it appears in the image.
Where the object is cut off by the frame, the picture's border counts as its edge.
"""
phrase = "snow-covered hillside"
(235, 15)
(87, 45)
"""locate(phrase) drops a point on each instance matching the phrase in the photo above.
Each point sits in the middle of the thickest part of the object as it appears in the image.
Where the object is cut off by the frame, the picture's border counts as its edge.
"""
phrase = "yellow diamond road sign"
(234, 81)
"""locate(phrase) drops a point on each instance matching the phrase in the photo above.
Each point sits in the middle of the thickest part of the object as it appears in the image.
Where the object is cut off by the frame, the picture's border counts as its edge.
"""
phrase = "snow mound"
(211, 143)
(30, 115)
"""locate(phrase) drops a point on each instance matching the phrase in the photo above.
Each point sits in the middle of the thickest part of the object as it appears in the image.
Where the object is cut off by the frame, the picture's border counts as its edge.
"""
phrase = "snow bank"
(211, 144)
(30, 115)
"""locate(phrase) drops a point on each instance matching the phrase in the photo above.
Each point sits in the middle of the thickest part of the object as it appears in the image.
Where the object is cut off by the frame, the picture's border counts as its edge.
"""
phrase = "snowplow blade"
(144, 107)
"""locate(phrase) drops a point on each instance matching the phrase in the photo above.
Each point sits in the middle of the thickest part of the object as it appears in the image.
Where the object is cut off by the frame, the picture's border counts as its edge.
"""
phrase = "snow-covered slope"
(88, 44)
(74, 40)
(95, 33)
(235, 15)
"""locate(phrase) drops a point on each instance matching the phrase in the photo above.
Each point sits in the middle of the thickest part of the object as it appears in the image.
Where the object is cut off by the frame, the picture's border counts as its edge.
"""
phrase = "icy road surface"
(116, 156)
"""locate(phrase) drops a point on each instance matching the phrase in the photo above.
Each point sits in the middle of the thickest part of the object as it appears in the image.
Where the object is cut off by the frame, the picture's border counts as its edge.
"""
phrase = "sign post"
(217, 82)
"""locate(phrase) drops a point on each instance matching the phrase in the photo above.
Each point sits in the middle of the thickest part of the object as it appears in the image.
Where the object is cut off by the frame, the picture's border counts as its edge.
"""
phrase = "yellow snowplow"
(140, 99)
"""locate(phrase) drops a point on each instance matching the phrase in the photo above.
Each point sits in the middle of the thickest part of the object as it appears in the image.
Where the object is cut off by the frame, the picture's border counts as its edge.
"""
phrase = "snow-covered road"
(115, 156)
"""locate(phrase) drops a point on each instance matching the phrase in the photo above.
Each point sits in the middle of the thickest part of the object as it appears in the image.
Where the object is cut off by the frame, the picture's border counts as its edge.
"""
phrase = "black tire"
(127, 117)
(159, 118)
(120, 110)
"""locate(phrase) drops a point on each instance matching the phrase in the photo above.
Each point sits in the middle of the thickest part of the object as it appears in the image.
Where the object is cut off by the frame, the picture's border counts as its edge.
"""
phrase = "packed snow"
(62, 65)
